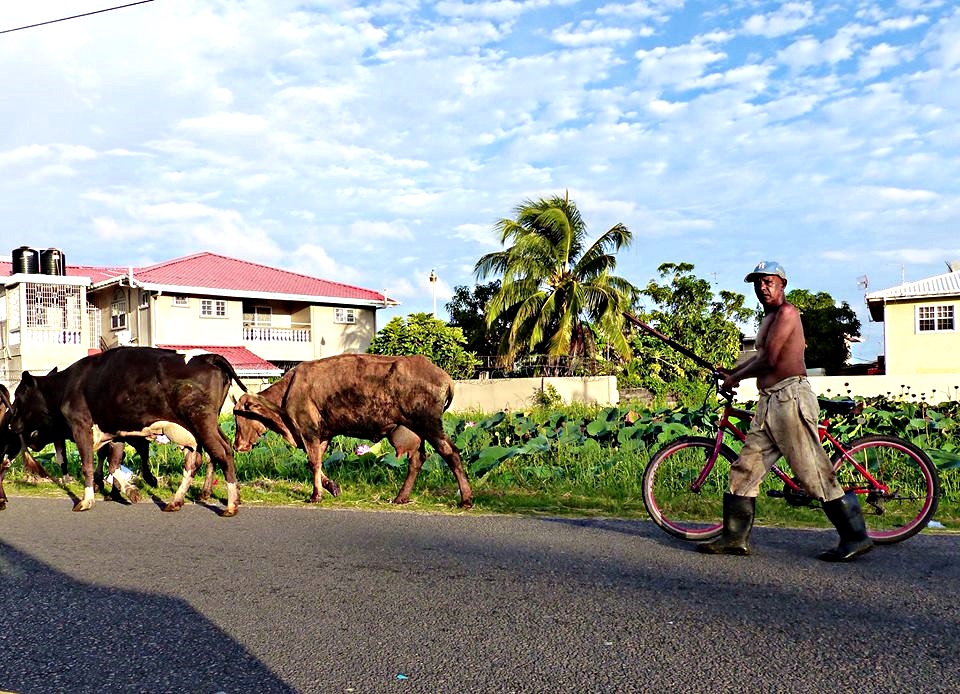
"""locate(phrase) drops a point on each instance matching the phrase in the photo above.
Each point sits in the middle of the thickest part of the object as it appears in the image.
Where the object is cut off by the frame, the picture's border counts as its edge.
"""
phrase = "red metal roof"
(219, 272)
(241, 358)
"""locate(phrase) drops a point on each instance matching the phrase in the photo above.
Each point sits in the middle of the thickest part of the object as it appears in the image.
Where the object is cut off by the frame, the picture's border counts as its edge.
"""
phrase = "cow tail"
(449, 400)
(224, 365)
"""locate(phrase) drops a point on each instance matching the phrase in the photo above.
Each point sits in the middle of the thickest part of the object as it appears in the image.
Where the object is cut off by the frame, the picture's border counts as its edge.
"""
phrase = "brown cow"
(131, 392)
(365, 396)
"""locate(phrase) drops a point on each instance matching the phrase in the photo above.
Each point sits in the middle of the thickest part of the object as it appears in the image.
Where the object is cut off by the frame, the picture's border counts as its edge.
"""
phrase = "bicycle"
(683, 483)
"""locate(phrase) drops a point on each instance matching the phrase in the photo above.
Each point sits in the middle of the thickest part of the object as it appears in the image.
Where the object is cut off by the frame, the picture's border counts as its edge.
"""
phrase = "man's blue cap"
(766, 267)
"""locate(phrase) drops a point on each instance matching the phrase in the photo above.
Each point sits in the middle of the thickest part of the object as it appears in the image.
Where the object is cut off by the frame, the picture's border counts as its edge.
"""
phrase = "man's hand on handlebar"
(728, 383)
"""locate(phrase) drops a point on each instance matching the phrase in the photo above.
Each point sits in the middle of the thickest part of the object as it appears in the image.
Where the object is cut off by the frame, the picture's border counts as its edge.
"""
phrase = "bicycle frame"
(726, 426)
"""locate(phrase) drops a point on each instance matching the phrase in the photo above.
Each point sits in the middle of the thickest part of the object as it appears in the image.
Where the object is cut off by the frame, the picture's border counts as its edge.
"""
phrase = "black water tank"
(53, 262)
(26, 261)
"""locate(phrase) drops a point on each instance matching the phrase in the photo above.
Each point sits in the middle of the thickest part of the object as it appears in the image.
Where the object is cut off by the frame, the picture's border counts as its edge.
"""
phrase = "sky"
(375, 143)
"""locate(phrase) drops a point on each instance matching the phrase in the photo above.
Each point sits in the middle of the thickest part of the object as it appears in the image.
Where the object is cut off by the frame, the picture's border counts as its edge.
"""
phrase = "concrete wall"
(490, 395)
(933, 388)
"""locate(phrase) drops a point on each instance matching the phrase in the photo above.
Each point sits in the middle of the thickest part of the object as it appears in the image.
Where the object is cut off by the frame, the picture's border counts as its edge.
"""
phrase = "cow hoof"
(204, 496)
(229, 512)
(466, 504)
(133, 495)
(83, 506)
(332, 487)
(173, 506)
(3, 504)
(401, 500)
(313, 500)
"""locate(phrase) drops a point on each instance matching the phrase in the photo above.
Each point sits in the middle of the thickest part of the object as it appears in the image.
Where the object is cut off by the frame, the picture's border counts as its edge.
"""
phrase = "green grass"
(566, 471)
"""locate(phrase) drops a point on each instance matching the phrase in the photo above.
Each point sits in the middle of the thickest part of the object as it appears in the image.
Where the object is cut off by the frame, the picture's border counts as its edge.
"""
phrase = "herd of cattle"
(140, 394)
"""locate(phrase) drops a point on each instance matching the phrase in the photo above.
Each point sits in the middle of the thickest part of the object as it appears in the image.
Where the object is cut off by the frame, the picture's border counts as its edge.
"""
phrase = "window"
(118, 311)
(180, 300)
(213, 308)
(344, 315)
(935, 319)
(144, 300)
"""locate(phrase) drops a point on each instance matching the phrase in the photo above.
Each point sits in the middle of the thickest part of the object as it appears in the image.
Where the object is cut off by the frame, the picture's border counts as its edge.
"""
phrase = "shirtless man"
(785, 424)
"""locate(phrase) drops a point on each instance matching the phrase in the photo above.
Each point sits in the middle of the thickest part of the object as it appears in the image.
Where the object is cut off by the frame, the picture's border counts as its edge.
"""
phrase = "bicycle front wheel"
(905, 490)
(670, 491)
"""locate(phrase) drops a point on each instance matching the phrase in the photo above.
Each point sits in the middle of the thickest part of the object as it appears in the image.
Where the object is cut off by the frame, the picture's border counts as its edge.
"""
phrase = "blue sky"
(371, 143)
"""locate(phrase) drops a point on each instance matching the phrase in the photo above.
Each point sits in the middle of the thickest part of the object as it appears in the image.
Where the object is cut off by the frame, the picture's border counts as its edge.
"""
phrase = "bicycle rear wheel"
(908, 493)
(668, 493)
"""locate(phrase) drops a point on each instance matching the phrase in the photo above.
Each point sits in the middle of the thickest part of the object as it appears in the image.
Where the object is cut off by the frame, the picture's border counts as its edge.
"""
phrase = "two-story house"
(262, 319)
(920, 332)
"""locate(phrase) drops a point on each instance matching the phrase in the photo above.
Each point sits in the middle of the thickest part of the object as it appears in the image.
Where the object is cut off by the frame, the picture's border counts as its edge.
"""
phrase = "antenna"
(863, 282)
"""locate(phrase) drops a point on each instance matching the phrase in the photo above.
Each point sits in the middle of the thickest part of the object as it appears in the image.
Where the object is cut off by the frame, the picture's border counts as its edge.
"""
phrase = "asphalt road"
(129, 599)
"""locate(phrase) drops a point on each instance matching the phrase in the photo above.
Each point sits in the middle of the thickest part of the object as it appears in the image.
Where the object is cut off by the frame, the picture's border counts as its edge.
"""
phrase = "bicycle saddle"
(837, 407)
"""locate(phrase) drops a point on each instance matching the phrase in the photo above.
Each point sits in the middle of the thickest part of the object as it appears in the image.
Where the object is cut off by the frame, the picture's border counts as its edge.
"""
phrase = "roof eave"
(35, 278)
(243, 294)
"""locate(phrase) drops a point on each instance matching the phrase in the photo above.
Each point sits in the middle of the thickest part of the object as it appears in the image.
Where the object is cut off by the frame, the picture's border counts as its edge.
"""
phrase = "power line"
(76, 16)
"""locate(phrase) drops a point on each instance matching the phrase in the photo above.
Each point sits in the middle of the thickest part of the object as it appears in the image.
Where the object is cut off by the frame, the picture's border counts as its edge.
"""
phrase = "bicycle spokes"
(896, 482)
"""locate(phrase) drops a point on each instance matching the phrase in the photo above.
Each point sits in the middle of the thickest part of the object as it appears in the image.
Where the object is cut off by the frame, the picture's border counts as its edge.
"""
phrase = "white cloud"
(589, 33)
(313, 260)
(791, 17)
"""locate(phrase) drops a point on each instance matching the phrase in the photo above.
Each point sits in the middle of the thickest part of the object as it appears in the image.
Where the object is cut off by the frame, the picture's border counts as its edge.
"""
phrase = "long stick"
(676, 345)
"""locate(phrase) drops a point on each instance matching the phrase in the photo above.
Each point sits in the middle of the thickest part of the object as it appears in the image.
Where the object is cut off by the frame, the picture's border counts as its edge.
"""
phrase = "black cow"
(131, 392)
(366, 396)
(9, 441)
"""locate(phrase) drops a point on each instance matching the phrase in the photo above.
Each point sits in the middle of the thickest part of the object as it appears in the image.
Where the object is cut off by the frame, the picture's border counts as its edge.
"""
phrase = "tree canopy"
(421, 333)
(828, 328)
(685, 309)
(557, 285)
(467, 310)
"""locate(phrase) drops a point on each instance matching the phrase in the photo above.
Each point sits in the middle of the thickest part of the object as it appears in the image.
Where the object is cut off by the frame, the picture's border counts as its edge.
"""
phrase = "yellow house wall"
(908, 352)
(177, 325)
(337, 338)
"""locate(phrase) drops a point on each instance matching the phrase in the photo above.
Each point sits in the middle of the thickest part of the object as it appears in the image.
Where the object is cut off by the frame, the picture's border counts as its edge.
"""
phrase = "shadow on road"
(61, 634)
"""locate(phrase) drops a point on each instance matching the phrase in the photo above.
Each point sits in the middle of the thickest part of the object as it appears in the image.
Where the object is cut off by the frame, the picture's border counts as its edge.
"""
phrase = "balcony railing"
(259, 333)
(50, 336)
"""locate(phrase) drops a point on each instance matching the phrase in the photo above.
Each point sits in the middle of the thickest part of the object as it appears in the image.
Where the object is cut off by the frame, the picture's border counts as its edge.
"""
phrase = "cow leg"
(408, 443)
(4, 464)
(60, 453)
(207, 490)
(189, 468)
(85, 447)
(444, 446)
(218, 447)
(315, 450)
(121, 484)
(142, 448)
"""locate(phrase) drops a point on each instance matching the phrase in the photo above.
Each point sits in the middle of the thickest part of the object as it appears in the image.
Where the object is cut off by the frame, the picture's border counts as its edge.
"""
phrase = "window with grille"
(344, 315)
(213, 308)
(936, 319)
(118, 311)
(55, 306)
(180, 300)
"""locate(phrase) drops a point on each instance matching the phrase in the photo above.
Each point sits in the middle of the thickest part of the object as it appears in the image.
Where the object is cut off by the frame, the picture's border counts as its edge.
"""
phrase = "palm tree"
(559, 288)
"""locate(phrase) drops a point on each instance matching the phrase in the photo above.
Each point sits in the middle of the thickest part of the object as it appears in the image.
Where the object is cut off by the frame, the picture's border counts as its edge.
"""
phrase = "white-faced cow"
(365, 396)
(131, 392)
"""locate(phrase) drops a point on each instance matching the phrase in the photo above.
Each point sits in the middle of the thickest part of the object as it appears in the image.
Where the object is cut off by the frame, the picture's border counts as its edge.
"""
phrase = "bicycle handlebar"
(715, 373)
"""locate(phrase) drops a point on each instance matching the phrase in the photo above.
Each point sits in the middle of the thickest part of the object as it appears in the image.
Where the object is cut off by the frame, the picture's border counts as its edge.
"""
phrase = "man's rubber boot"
(738, 512)
(847, 518)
